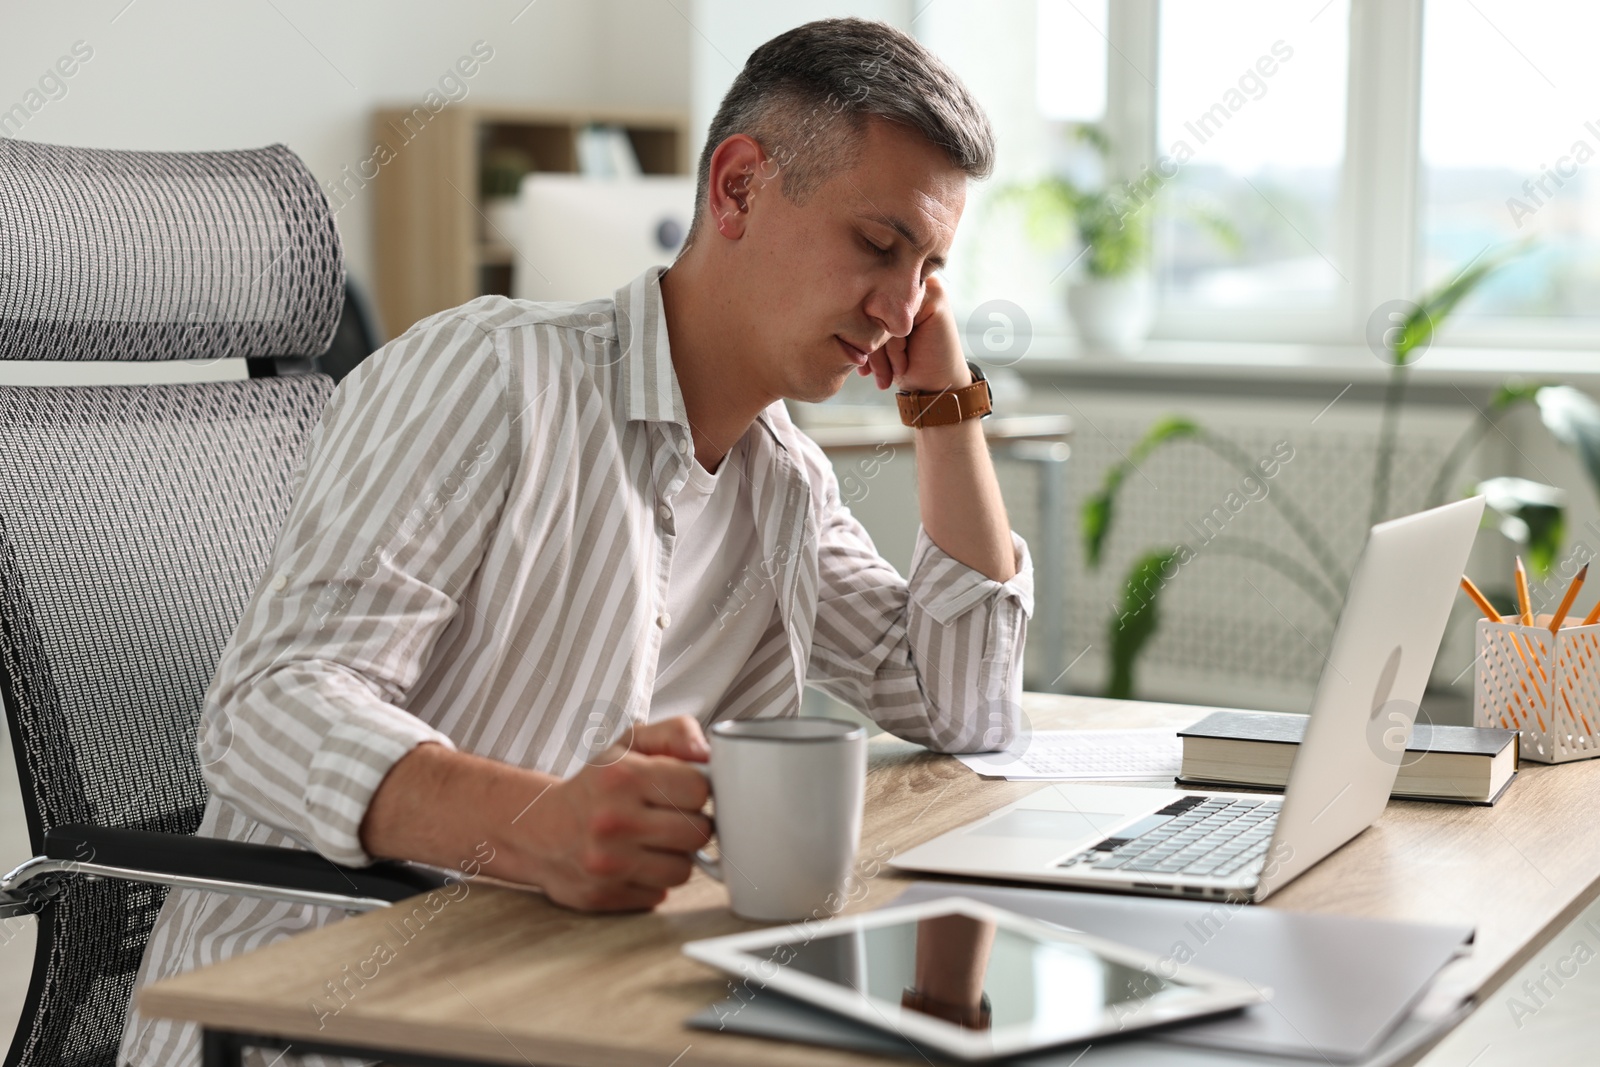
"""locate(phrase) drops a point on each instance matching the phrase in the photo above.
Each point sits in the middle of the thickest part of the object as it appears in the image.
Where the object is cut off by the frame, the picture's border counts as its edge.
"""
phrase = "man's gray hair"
(806, 96)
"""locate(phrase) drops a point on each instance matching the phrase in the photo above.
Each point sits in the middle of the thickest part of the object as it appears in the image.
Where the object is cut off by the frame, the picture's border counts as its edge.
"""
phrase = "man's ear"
(732, 183)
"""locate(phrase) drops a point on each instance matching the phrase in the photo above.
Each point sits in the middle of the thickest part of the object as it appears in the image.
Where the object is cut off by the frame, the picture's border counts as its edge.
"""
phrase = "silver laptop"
(1234, 846)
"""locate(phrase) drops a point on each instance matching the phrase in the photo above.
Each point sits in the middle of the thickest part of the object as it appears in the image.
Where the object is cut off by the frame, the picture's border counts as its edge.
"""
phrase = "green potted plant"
(1528, 513)
(1112, 303)
(1110, 295)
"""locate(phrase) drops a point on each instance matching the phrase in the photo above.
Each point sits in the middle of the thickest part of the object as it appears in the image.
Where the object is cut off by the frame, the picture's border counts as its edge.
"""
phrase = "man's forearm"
(962, 509)
(438, 806)
(615, 836)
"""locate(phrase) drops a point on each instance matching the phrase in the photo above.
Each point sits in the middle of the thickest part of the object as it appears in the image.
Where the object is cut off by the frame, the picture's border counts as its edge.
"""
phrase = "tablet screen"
(951, 963)
(972, 979)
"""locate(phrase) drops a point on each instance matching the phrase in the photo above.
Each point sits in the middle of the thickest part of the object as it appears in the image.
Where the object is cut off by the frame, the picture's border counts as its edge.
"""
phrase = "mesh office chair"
(135, 522)
(355, 339)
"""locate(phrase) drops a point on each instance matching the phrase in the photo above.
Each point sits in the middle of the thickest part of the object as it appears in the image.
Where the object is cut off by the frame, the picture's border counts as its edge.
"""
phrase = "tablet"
(971, 980)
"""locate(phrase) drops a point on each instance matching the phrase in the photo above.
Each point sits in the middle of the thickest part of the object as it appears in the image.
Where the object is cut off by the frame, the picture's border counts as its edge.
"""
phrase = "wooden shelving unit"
(429, 248)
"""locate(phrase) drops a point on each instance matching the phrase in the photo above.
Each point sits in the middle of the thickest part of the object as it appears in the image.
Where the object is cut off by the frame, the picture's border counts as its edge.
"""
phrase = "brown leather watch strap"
(946, 408)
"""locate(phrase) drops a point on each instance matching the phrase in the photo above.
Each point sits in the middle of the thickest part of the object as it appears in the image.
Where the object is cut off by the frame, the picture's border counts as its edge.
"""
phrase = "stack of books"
(1253, 749)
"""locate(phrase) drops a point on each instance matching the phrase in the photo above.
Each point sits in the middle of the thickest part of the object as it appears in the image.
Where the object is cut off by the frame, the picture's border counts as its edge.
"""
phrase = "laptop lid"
(1373, 677)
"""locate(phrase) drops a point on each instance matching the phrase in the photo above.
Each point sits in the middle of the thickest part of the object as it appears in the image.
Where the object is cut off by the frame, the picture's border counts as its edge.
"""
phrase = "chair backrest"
(135, 521)
(357, 338)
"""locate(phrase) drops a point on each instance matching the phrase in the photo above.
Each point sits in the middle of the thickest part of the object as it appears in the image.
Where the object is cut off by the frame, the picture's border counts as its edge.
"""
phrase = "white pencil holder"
(1545, 686)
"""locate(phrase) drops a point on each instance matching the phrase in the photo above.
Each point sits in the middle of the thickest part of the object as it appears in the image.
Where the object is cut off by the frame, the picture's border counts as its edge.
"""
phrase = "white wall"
(190, 75)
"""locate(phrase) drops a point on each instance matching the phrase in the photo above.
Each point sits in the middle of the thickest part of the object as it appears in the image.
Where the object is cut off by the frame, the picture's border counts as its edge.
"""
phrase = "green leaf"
(1573, 418)
(1531, 514)
(1049, 208)
(1547, 527)
(1138, 618)
(1512, 393)
(1168, 428)
(1219, 226)
(1115, 233)
(1100, 508)
(1111, 223)
(1436, 305)
(502, 171)
(1095, 136)
(1095, 519)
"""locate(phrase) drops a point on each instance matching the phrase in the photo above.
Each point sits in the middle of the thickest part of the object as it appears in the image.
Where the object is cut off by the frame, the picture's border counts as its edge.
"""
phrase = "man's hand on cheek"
(929, 360)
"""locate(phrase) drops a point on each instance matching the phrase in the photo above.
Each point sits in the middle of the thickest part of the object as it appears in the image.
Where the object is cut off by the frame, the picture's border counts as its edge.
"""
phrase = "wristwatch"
(964, 1016)
(947, 406)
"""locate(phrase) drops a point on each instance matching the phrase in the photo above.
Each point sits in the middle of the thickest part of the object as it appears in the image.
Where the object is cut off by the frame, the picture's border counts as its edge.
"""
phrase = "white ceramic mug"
(788, 813)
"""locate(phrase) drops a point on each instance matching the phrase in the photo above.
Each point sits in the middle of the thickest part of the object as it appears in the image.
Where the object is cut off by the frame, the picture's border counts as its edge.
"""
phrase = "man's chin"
(815, 392)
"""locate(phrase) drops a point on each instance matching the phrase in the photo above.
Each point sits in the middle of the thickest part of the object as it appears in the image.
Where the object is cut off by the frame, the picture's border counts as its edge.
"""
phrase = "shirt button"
(665, 513)
(280, 583)
(663, 620)
(683, 445)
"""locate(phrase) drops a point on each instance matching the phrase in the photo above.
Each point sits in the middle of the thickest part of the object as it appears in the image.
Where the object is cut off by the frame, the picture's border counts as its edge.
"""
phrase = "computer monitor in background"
(580, 238)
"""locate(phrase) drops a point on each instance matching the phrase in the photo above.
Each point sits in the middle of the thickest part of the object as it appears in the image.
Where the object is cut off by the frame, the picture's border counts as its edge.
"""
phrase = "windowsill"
(1062, 356)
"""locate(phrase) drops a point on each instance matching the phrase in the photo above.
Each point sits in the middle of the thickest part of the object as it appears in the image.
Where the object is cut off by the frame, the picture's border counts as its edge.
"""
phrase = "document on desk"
(1057, 755)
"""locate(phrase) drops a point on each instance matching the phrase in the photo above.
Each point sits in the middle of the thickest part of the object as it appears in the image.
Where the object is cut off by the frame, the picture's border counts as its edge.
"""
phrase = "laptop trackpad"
(1063, 826)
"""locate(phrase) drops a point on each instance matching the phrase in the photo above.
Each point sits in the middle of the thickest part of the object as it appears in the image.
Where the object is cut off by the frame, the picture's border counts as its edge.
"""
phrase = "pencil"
(1593, 616)
(1566, 601)
(1479, 599)
(1524, 605)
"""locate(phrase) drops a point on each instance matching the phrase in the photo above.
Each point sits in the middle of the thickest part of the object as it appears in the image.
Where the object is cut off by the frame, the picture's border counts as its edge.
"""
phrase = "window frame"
(1379, 208)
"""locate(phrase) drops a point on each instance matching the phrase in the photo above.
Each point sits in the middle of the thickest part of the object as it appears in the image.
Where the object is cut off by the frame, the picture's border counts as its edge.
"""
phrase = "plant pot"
(1112, 314)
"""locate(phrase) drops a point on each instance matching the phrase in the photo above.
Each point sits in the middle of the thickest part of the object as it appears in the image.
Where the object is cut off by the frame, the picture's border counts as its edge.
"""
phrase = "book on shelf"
(1253, 749)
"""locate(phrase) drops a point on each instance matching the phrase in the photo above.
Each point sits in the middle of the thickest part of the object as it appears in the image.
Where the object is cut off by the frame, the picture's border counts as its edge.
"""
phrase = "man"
(537, 547)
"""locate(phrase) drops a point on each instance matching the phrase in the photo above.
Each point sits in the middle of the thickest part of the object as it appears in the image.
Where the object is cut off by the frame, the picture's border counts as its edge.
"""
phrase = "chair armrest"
(182, 857)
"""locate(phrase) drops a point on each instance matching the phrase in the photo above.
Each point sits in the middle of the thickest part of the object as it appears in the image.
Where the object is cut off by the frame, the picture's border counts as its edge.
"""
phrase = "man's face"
(826, 281)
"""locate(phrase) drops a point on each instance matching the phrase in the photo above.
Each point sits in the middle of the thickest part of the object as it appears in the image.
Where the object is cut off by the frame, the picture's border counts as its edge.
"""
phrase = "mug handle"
(708, 863)
(712, 865)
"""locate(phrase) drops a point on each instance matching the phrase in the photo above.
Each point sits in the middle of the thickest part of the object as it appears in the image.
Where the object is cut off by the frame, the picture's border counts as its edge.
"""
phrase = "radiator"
(1234, 630)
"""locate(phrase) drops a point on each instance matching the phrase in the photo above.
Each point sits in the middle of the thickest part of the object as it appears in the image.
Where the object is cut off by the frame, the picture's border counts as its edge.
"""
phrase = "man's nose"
(894, 303)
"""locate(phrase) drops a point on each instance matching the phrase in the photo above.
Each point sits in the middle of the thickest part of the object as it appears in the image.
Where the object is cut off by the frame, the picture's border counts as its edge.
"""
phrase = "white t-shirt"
(719, 597)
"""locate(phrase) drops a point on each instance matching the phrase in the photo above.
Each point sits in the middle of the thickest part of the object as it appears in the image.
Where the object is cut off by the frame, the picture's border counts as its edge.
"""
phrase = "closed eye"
(884, 252)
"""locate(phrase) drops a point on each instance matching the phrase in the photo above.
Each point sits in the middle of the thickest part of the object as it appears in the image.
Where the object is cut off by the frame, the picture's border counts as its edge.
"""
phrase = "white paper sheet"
(1046, 755)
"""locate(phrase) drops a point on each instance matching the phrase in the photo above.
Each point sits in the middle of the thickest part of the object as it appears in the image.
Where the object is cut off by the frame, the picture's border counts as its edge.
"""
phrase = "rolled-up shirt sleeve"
(936, 659)
(403, 484)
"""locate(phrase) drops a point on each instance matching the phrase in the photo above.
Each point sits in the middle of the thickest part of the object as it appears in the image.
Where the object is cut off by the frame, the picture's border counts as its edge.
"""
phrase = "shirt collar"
(648, 380)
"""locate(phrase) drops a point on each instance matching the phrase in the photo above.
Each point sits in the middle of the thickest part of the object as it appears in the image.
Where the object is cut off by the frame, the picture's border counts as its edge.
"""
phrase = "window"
(1513, 156)
(1070, 58)
(1292, 199)
(1250, 121)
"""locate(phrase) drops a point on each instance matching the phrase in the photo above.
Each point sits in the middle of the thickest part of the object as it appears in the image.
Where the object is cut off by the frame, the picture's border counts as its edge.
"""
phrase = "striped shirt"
(478, 555)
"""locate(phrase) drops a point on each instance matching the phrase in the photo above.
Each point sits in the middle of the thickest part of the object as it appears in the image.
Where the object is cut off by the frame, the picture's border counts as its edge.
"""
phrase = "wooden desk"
(502, 976)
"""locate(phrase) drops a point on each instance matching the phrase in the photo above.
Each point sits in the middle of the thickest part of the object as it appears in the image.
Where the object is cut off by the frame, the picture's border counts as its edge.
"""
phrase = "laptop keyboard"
(1196, 835)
